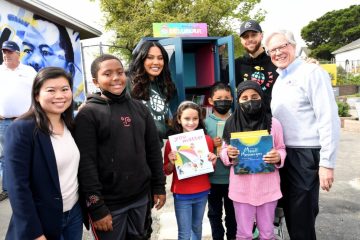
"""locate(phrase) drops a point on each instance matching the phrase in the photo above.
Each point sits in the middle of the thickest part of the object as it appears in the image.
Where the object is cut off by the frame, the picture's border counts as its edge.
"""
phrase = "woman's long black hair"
(140, 80)
(36, 111)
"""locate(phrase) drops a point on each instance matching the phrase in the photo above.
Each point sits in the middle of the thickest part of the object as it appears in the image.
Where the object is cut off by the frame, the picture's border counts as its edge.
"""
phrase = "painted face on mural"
(41, 47)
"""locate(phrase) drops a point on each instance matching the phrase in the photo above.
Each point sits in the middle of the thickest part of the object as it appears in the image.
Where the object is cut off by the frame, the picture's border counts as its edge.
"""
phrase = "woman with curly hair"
(150, 81)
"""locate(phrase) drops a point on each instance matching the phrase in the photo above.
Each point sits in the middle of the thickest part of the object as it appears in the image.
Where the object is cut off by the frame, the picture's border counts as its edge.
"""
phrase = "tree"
(332, 31)
(132, 19)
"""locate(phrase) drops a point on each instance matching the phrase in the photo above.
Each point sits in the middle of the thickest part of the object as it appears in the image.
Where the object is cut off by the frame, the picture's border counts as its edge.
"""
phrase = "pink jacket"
(257, 189)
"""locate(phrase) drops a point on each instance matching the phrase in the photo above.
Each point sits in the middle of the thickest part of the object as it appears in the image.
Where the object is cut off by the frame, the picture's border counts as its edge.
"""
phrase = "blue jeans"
(3, 126)
(189, 216)
(72, 228)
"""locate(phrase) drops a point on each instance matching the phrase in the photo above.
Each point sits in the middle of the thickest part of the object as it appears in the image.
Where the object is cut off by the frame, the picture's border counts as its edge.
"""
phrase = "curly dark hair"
(139, 78)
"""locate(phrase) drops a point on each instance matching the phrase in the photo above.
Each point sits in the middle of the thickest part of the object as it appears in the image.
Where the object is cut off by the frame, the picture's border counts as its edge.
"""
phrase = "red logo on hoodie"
(126, 121)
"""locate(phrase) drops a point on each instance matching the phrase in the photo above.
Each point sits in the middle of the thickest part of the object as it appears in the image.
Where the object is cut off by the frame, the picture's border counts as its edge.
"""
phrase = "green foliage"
(132, 19)
(344, 78)
(343, 109)
(332, 31)
(349, 79)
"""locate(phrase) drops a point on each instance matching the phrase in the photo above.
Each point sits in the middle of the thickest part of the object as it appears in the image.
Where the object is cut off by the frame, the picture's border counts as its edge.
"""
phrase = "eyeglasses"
(280, 49)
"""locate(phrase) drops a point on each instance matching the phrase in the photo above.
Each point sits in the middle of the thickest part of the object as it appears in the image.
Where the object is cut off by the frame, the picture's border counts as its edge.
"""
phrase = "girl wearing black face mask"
(254, 195)
(221, 100)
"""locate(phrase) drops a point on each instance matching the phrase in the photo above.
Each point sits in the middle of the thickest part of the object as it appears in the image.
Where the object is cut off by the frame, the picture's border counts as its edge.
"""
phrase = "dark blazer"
(34, 187)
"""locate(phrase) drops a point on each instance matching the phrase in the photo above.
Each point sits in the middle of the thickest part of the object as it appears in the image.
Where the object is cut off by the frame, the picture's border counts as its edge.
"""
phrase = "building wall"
(349, 60)
(43, 43)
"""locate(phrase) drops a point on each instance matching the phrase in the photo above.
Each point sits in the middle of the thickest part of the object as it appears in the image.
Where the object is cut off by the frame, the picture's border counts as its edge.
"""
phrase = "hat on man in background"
(250, 25)
(11, 46)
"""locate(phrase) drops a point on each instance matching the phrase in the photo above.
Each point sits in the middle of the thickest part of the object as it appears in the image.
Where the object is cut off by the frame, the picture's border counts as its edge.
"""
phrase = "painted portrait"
(43, 43)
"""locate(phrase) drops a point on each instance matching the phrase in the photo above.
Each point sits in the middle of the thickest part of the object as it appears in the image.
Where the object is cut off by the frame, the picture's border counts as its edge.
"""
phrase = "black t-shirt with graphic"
(259, 69)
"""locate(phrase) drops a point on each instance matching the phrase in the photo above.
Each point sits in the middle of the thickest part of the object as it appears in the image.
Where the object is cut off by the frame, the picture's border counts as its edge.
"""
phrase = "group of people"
(105, 169)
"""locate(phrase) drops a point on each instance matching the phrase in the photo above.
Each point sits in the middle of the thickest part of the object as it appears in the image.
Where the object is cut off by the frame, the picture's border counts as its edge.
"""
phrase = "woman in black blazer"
(42, 161)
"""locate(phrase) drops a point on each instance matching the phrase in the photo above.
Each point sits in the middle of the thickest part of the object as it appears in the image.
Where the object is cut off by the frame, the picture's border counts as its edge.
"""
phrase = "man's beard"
(257, 47)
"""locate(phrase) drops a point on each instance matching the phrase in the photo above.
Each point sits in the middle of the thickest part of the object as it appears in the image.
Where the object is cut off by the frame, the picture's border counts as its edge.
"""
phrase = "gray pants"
(128, 222)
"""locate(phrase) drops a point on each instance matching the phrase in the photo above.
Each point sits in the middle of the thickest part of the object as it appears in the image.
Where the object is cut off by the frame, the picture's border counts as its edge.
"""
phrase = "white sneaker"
(279, 224)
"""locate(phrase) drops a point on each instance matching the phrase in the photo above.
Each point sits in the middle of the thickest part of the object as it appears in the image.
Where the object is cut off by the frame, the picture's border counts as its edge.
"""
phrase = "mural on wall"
(43, 43)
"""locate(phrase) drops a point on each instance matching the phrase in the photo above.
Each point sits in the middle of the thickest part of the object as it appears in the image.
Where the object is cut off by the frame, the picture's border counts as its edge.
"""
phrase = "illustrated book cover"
(253, 146)
(192, 154)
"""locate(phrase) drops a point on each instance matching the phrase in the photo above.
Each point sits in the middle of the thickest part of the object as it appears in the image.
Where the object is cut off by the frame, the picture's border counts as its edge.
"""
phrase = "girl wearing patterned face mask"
(254, 196)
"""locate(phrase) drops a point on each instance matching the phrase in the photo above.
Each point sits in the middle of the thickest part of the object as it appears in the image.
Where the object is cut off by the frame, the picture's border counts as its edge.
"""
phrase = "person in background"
(254, 195)
(255, 64)
(120, 155)
(149, 80)
(15, 96)
(304, 103)
(221, 101)
(190, 194)
(42, 162)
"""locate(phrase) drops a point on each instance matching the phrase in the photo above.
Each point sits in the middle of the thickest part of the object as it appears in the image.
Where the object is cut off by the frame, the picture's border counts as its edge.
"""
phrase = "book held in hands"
(191, 154)
(219, 133)
(253, 145)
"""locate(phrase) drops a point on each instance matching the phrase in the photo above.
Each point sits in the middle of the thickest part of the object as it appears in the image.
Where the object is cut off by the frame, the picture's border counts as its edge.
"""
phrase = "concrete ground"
(339, 217)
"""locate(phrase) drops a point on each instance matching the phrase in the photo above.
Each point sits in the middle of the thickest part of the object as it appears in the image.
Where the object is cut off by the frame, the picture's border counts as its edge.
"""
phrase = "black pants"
(128, 222)
(148, 218)
(217, 198)
(300, 188)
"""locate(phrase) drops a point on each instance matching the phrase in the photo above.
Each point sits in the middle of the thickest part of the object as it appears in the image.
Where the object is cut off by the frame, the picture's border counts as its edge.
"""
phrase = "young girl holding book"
(254, 195)
(221, 100)
(190, 194)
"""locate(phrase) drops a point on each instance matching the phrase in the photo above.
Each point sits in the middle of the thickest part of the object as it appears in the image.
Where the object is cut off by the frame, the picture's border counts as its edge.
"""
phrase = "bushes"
(344, 78)
(343, 109)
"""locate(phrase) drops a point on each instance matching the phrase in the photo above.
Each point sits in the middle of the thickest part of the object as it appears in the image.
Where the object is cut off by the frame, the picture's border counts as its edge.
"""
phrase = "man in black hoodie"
(255, 65)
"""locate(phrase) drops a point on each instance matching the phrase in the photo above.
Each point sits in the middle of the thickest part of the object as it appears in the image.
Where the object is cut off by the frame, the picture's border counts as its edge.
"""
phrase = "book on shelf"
(253, 145)
(191, 154)
(199, 99)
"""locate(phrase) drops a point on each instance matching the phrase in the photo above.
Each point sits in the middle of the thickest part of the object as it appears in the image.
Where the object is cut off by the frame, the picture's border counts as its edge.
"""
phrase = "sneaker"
(3, 196)
(279, 232)
(279, 224)
(255, 232)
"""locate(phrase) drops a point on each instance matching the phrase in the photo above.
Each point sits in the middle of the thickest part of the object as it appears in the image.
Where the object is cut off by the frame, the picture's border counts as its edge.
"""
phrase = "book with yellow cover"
(253, 145)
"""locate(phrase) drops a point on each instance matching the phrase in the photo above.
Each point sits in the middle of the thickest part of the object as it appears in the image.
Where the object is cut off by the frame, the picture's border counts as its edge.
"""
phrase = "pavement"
(339, 217)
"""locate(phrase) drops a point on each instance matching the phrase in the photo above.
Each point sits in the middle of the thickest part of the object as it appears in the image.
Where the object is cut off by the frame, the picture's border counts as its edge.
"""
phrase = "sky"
(293, 15)
(281, 14)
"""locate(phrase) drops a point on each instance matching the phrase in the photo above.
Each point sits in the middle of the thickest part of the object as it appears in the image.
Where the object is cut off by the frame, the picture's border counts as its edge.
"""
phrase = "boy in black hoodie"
(120, 155)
